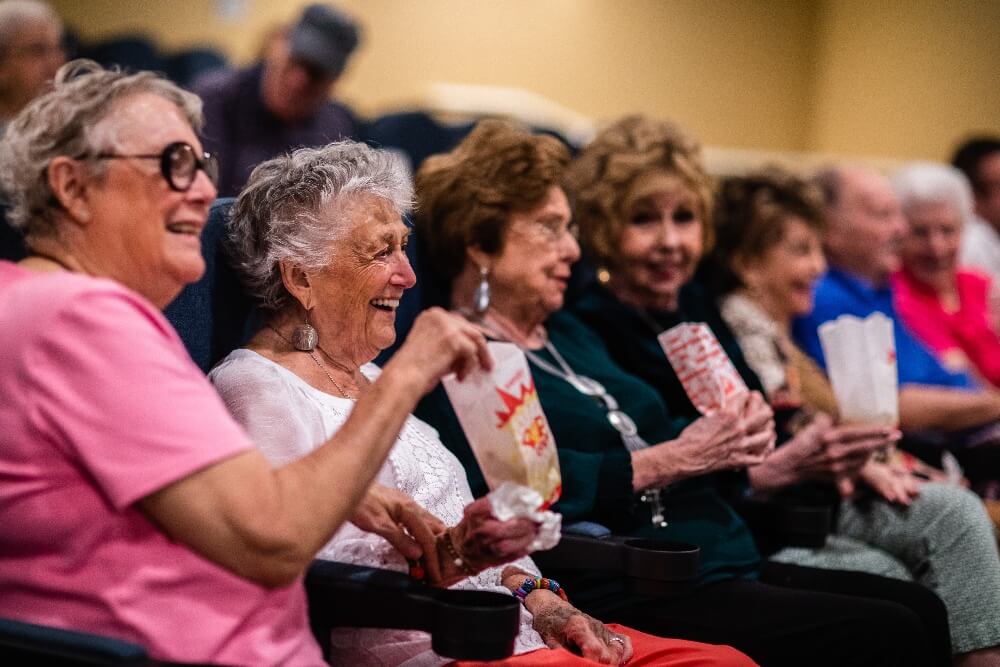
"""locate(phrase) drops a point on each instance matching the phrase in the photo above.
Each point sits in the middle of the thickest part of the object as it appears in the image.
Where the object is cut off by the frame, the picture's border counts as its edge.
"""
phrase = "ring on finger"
(617, 640)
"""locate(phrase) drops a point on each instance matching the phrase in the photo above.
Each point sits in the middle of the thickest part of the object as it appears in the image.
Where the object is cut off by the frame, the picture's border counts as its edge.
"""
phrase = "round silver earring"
(305, 337)
(481, 297)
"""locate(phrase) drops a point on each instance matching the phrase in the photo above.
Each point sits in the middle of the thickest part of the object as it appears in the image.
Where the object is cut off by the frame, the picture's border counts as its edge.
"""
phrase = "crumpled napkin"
(510, 501)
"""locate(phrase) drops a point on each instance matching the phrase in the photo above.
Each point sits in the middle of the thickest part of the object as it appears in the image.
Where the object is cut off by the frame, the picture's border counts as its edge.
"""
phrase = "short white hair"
(277, 216)
(922, 183)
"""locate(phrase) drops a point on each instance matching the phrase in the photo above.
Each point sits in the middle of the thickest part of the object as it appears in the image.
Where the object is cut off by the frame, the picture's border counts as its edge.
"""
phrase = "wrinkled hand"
(893, 482)
(483, 541)
(739, 435)
(822, 451)
(395, 516)
(562, 625)
(438, 344)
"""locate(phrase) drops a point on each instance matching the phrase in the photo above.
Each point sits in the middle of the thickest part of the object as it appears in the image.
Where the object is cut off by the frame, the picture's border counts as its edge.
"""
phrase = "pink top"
(967, 330)
(101, 406)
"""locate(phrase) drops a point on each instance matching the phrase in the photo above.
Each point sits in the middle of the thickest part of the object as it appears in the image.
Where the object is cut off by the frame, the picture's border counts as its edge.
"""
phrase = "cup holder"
(476, 625)
(647, 565)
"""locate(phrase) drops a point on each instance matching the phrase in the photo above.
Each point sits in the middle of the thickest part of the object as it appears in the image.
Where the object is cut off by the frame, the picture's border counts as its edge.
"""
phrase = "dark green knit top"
(596, 467)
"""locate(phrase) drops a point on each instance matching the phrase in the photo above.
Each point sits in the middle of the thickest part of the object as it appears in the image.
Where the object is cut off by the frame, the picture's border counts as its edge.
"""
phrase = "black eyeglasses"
(179, 164)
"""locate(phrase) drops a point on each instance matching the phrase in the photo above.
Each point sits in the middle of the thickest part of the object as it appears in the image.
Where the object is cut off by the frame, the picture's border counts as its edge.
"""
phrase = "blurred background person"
(946, 307)
(764, 266)
(979, 160)
(862, 244)
(282, 102)
(31, 51)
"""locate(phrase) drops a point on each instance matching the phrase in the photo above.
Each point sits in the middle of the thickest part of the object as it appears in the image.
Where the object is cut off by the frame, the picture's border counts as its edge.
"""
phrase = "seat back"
(31, 644)
(214, 315)
(12, 246)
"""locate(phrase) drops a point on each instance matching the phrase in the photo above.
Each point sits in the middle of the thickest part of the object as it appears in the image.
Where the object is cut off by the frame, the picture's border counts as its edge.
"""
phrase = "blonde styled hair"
(599, 179)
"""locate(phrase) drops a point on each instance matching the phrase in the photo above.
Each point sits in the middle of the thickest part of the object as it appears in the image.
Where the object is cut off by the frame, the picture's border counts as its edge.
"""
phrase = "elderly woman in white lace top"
(319, 240)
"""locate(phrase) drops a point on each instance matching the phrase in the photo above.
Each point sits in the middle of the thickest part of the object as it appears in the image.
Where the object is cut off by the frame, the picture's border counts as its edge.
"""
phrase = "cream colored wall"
(836, 76)
(906, 78)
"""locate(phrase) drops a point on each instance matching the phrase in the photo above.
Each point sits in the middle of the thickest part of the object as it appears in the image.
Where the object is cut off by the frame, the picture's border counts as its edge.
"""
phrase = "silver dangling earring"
(481, 297)
(305, 337)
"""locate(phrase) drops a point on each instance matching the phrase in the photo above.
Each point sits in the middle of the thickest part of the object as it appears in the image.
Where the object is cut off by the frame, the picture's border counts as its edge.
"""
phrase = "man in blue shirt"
(865, 228)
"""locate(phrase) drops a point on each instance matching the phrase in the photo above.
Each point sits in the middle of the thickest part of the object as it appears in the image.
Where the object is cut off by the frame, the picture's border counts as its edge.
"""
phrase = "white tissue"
(511, 501)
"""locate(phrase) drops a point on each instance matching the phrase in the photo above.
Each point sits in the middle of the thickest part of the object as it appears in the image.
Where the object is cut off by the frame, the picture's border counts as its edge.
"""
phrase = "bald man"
(862, 244)
(30, 53)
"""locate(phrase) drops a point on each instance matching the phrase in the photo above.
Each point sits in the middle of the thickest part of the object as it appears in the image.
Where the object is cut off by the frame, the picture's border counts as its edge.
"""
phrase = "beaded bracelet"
(535, 583)
(456, 558)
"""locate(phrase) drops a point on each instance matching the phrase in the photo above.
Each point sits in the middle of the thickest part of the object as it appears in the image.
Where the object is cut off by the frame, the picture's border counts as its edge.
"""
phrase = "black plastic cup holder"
(781, 523)
(478, 625)
(465, 625)
(648, 566)
(804, 525)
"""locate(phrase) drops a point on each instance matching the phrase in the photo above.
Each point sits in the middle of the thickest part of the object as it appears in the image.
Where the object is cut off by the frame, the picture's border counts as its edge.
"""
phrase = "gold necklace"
(312, 355)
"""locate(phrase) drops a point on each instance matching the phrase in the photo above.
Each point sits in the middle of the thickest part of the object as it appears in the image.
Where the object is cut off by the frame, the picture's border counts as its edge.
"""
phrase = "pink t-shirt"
(968, 329)
(100, 406)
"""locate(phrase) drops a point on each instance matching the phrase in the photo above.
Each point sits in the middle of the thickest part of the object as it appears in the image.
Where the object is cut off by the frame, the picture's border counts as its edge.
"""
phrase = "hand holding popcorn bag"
(861, 362)
(503, 420)
(703, 367)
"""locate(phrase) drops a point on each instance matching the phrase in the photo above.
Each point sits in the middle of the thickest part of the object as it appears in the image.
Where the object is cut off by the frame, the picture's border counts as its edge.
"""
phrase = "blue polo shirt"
(839, 293)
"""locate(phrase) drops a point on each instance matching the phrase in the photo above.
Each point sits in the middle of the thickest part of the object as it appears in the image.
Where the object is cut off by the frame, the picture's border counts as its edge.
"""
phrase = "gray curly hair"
(66, 122)
(278, 215)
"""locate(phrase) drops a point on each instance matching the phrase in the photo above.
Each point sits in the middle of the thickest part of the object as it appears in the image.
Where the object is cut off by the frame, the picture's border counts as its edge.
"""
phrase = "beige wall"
(901, 78)
(906, 78)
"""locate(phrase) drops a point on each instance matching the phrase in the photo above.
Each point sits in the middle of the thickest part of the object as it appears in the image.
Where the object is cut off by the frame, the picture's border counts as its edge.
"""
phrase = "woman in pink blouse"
(944, 306)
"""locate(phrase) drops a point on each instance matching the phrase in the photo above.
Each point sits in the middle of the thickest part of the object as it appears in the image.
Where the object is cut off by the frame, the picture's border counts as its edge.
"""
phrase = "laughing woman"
(766, 264)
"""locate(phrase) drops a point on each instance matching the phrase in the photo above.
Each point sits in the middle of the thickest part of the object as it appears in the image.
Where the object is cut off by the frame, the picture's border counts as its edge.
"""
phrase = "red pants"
(647, 651)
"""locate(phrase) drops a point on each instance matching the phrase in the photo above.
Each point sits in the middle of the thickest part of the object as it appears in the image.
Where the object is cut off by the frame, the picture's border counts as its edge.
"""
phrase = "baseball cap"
(324, 37)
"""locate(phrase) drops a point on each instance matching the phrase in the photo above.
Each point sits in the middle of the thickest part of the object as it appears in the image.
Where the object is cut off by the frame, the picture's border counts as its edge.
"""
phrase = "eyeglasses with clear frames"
(555, 231)
(179, 164)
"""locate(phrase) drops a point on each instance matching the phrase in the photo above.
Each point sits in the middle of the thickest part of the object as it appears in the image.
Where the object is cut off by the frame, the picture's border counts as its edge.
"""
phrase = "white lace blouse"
(287, 418)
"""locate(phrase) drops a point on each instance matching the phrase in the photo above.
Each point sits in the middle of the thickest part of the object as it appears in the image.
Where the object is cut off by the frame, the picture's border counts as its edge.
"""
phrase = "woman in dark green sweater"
(497, 229)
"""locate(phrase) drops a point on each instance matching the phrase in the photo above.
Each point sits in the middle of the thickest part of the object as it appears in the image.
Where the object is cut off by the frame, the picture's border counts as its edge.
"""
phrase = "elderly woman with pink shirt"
(945, 306)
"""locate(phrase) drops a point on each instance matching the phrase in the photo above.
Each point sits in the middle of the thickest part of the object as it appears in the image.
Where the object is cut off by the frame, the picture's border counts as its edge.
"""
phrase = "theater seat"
(11, 241)
(31, 644)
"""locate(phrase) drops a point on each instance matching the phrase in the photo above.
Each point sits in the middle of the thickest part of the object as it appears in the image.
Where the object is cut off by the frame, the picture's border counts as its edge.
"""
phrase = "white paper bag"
(503, 420)
(861, 362)
(704, 368)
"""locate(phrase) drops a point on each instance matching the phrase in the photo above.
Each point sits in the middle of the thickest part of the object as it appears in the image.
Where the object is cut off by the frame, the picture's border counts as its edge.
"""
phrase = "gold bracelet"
(456, 559)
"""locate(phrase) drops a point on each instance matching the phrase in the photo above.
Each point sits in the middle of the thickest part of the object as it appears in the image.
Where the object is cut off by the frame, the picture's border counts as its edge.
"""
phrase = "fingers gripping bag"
(703, 367)
(510, 437)
(861, 362)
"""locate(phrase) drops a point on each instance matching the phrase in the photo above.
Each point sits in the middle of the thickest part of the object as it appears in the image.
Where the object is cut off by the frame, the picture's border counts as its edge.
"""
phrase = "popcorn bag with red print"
(502, 417)
(705, 370)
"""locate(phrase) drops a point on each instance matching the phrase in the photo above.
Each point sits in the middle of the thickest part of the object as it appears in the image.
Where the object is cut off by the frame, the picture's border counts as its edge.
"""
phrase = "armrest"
(28, 643)
(648, 566)
(776, 524)
(465, 625)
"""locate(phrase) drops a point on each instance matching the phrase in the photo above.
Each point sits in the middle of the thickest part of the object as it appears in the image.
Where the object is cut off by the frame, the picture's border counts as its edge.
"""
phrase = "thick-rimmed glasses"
(179, 164)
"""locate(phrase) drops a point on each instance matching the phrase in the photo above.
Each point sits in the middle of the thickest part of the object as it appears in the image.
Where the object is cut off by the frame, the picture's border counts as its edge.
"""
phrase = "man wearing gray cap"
(282, 102)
